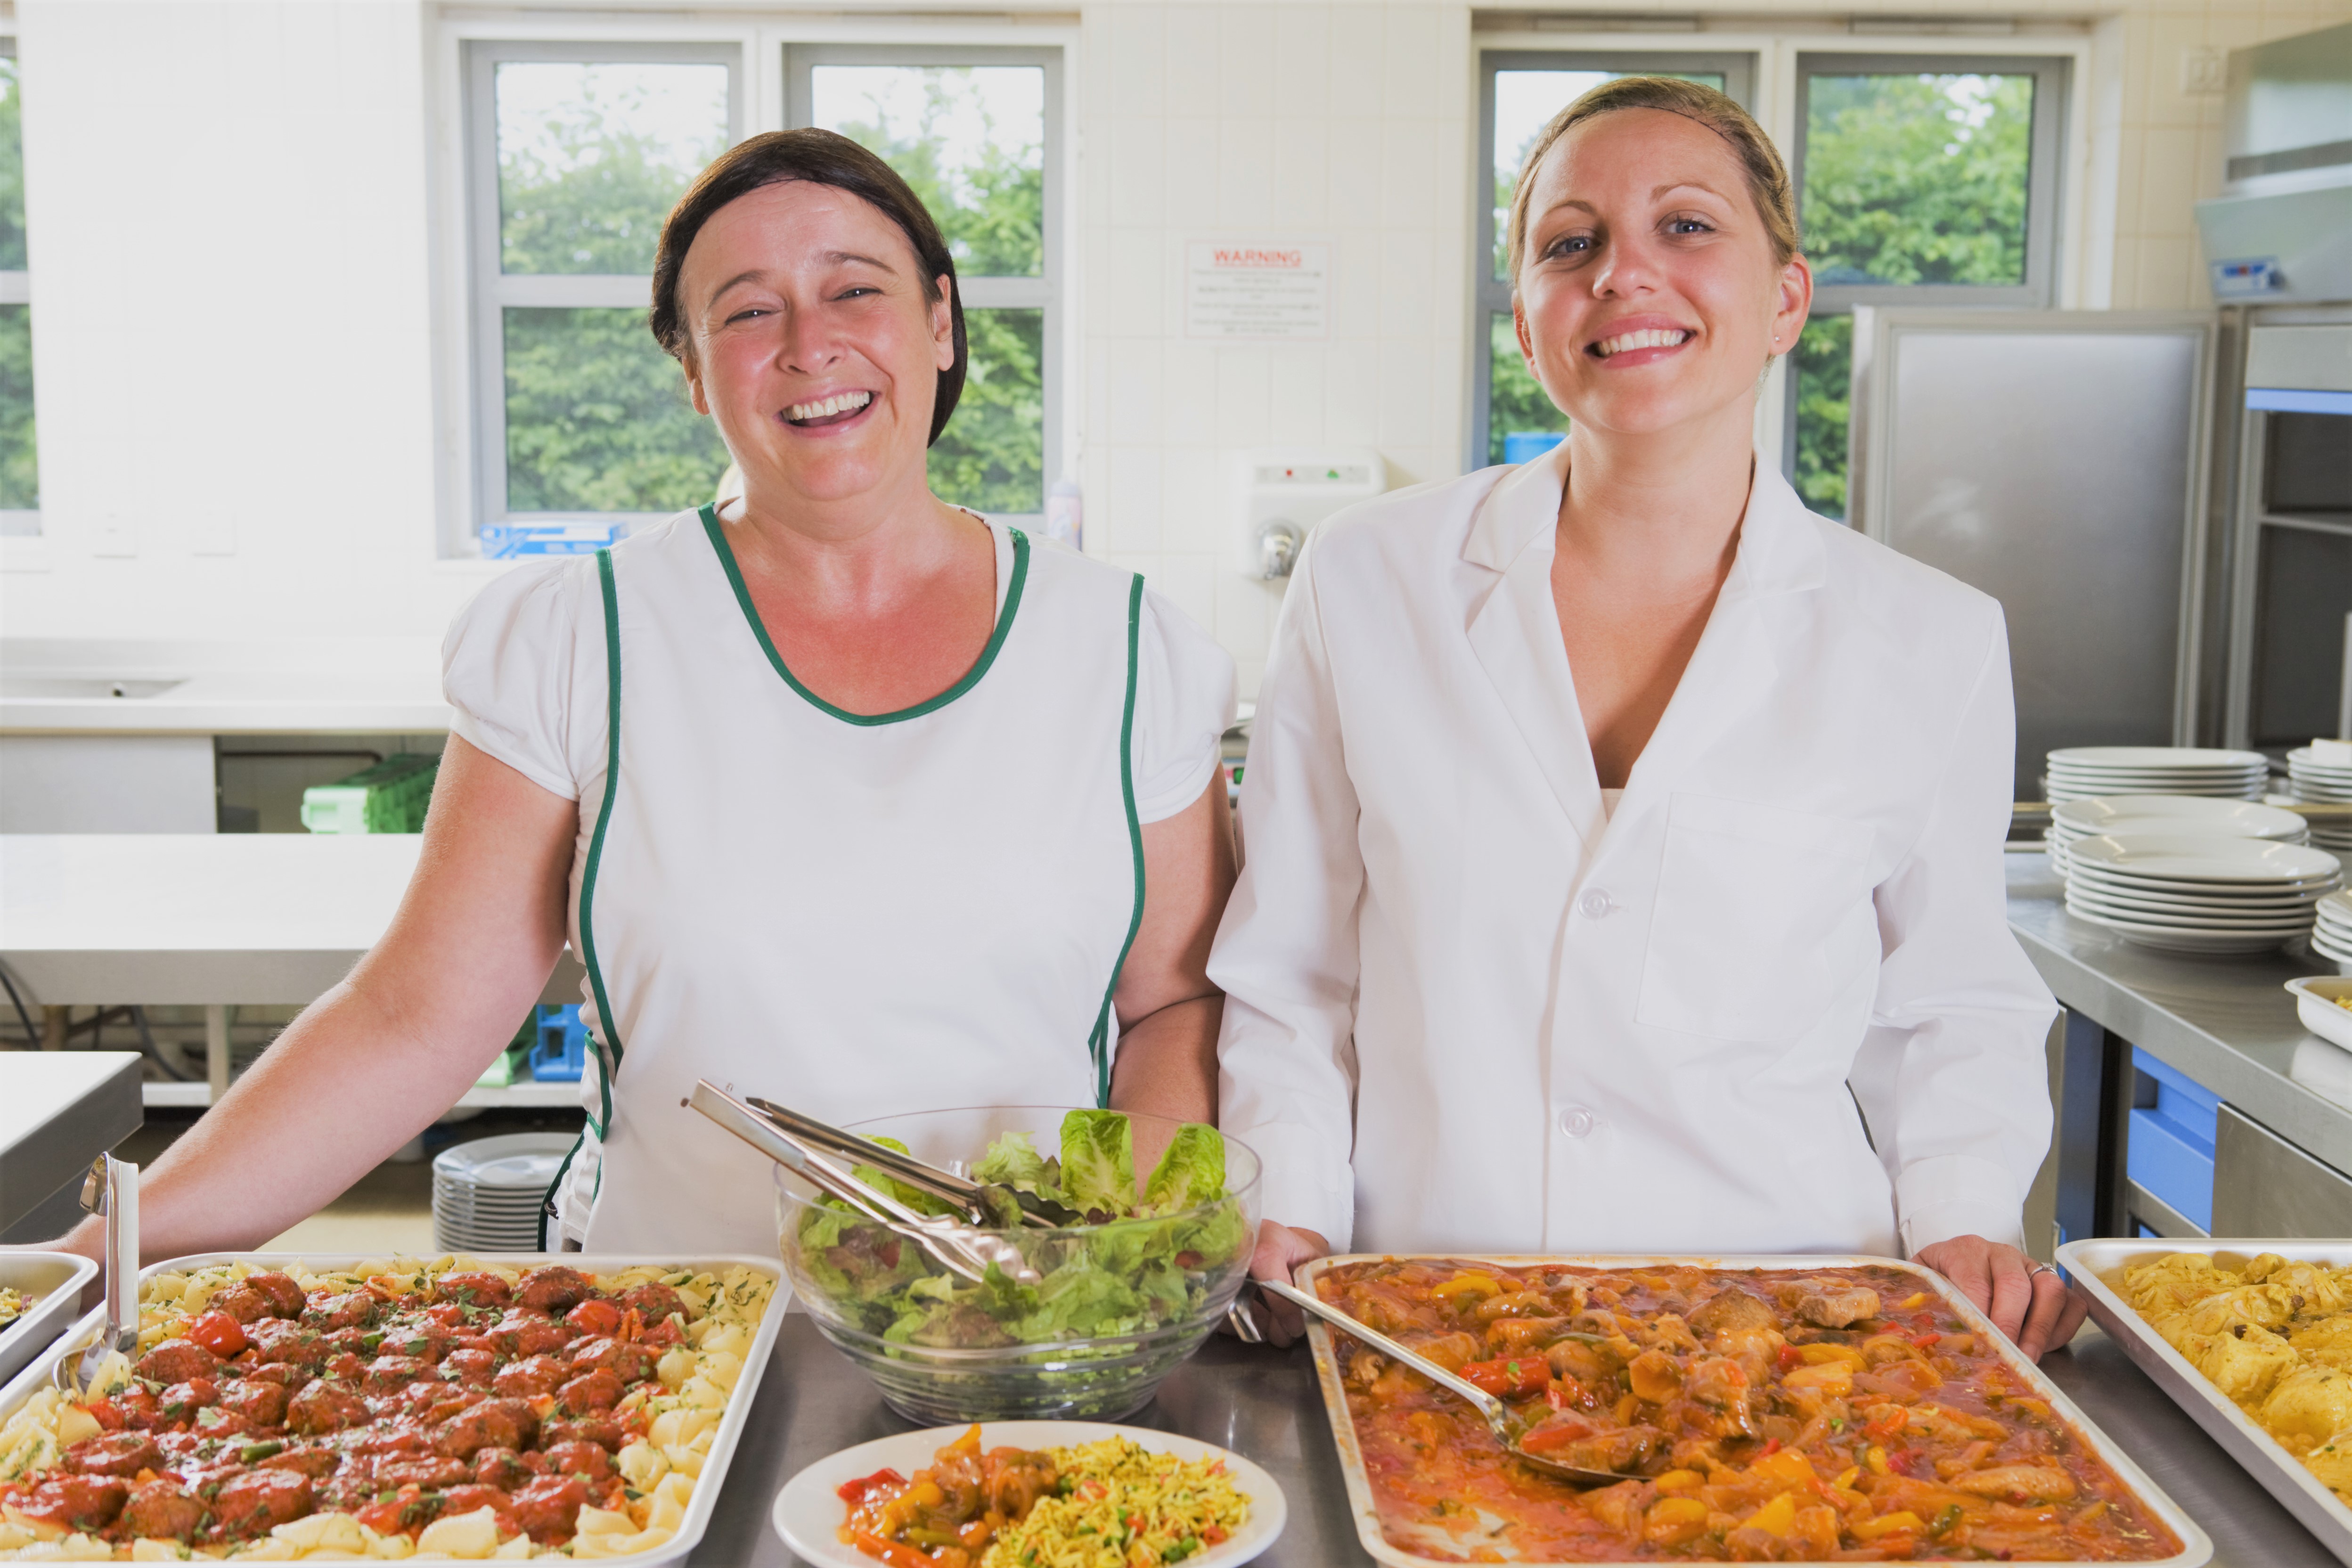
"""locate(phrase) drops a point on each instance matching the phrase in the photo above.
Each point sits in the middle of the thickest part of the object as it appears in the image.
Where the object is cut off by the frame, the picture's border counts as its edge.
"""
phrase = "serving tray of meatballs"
(498, 1407)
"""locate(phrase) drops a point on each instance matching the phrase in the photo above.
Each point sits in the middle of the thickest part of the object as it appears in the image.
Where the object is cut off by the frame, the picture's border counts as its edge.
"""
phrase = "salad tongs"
(968, 1197)
(962, 1248)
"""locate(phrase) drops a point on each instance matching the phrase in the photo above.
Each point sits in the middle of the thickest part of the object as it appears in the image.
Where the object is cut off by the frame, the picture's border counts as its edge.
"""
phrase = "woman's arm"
(1953, 1077)
(1168, 1010)
(1289, 957)
(375, 1060)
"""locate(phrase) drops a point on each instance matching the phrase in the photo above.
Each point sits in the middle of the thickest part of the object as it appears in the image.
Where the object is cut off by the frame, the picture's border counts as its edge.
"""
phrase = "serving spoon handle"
(1497, 1413)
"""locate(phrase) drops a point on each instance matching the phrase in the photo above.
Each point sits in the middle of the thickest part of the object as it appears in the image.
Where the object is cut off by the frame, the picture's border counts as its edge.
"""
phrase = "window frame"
(492, 292)
(2045, 198)
(1490, 295)
(16, 288)
(1047, 291)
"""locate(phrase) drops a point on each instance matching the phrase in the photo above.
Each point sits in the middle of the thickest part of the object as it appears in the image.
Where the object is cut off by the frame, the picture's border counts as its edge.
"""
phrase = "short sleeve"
(1183, 705)
(523, 668)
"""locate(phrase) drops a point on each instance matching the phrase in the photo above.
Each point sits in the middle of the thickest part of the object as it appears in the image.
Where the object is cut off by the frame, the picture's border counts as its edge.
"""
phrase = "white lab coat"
(1531, 1025)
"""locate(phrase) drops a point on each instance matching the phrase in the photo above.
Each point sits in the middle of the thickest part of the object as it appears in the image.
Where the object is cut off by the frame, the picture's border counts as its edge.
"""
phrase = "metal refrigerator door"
(2056, 460)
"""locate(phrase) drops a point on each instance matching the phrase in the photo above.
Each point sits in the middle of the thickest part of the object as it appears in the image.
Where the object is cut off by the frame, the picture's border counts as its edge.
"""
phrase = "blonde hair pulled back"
(1759, 161)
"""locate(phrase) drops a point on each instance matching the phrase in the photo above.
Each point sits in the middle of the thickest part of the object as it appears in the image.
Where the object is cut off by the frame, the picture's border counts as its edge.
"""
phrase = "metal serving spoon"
(1498, 1415)
(111, 1189)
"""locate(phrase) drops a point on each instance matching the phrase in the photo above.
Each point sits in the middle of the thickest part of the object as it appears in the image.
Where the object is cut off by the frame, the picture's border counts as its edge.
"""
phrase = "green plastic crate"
(389, 797)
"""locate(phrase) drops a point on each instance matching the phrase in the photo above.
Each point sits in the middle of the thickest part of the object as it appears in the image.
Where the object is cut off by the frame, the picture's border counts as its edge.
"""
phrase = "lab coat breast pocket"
(1761, 915)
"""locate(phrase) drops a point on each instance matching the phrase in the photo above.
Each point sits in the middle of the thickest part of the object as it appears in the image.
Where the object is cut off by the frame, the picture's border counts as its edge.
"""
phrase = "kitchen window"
(1921, 180)
(977, 132)
(20, 470)
(1511, 416)
(576, 155)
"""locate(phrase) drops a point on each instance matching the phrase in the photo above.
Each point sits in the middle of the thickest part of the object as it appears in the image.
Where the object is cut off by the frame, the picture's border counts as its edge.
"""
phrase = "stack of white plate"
(2198, 892)
(2078, 772)
(2322, 773)
(487, 1194)
(2331, 933)
(2107, 815)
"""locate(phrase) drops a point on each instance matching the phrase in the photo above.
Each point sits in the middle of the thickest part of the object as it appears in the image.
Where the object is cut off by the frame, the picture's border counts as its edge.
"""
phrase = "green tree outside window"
(20, 472)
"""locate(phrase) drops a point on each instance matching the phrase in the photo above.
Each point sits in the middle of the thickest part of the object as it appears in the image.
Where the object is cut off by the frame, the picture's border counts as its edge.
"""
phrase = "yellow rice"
(1129, 1507)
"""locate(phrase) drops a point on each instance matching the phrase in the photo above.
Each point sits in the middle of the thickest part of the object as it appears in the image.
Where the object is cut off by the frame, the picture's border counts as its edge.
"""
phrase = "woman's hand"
(1281, 1249)
(2024, 1299)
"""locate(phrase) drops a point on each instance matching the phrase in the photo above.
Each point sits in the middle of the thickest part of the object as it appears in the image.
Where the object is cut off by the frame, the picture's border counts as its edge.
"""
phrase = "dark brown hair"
(1767, 178)
(821, 158)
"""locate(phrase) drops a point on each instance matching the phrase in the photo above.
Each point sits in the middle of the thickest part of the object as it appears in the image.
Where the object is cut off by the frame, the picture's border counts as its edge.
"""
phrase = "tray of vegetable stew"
(1790, 1409)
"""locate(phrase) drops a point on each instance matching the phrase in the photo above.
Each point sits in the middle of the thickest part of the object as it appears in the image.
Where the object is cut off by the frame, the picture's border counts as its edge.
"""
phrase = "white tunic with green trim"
(855, 915)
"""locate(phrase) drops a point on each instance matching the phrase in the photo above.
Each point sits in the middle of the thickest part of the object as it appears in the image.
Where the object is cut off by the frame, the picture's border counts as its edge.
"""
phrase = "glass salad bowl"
(1120, 1300)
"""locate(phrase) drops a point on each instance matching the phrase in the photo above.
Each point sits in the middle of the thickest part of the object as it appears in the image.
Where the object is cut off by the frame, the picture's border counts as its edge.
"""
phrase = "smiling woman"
(1620, 835)
(843, 796)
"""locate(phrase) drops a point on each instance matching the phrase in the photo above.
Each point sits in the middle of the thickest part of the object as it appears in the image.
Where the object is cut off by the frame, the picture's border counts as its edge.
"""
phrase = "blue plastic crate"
(505, 542)
(561, 1052)
(1527, 446)
(2171, 1151)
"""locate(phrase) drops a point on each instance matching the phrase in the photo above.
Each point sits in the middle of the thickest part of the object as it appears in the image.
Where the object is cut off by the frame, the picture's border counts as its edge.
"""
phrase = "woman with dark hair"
(1625, 842)
(843, 795)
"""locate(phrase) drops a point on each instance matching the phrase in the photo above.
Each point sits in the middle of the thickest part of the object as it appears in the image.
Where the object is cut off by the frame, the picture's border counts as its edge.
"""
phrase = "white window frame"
(21, 525)
(1491, 295)
(492, 292)
(1044, 292)
(2046, 191)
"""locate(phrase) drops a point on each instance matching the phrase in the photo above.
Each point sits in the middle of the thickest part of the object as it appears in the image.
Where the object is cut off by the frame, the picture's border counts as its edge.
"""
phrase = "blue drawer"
(2171, 1150)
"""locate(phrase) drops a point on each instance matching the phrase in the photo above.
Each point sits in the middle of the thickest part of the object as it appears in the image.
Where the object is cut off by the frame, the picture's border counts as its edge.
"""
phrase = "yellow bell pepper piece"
(1846, 1477)
(1830, 1377)
(1901, 1520)
(1912, 1303)
(1821, 1355)
(1465, 1284)
(1679, 1481)
(1673, 1520)
(1876, 1461)
(1788, 1468)
(1775, 1518)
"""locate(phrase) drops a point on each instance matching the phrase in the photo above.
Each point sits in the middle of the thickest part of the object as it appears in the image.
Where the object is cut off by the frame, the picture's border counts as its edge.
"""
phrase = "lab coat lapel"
(1737, 661)
(1515, 634)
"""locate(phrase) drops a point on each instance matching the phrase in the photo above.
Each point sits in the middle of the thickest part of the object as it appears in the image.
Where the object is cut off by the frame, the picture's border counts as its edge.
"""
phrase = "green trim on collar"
(1098, 1044)
(712, 526)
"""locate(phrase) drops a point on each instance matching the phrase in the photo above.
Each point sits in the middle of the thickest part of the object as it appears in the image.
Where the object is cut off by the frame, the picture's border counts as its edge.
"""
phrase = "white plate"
(2176, 814)
(2168, 941)
(2315, 1003)
(2173, 919)
(2155, 757)
(2302, 893)
(2199, 858)
(2190, 904)
(807, 1513)
(518, 1162)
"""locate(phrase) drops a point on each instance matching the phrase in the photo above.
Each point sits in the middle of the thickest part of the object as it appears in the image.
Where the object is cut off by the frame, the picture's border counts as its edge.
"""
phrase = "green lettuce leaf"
(1098, 1161)
(1190, 1174)
(1013, 1162)
(881, 1182)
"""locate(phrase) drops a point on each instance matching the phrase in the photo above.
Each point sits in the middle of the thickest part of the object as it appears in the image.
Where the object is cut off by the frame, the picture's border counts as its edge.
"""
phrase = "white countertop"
(246, 919)
(368, 685)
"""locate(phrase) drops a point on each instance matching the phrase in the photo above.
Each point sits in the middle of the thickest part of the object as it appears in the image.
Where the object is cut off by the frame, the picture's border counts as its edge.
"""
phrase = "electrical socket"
(2204, 71)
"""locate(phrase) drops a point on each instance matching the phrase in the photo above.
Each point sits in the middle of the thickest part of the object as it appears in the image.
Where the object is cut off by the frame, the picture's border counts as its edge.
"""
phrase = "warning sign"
(1260, 293)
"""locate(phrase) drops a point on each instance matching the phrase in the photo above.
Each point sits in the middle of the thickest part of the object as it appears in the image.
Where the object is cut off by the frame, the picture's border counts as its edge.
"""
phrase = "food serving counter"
(1263, 1404)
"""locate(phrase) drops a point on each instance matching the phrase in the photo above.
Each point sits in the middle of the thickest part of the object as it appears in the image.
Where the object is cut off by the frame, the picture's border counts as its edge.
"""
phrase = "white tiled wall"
(1347, 124)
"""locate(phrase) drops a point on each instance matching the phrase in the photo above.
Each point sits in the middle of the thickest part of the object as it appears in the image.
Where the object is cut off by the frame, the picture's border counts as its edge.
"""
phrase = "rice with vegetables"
(1126, 1507)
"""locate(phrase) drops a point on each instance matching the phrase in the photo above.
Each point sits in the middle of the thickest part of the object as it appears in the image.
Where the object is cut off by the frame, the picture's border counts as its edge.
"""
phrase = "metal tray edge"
(23, 1342)
(2272, 1467)
(705, 1502)
(2196, 1546)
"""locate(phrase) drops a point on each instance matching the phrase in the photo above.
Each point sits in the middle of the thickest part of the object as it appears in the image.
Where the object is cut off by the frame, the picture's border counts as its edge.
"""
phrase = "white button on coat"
(1805, 866)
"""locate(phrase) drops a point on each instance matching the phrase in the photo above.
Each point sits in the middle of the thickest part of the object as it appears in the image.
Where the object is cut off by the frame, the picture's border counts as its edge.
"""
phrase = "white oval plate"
(2178, 814)
(808, 1514)
(2207, 902)
(2158, 757)
(2158, 919)
(2164, 941)
(2309, 894)
(2204, 858)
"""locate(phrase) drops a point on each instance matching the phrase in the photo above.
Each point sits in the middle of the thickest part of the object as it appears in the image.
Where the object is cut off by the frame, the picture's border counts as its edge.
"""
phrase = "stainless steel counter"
(1263, 1404)
(2225, 1021)
(58, 1112)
